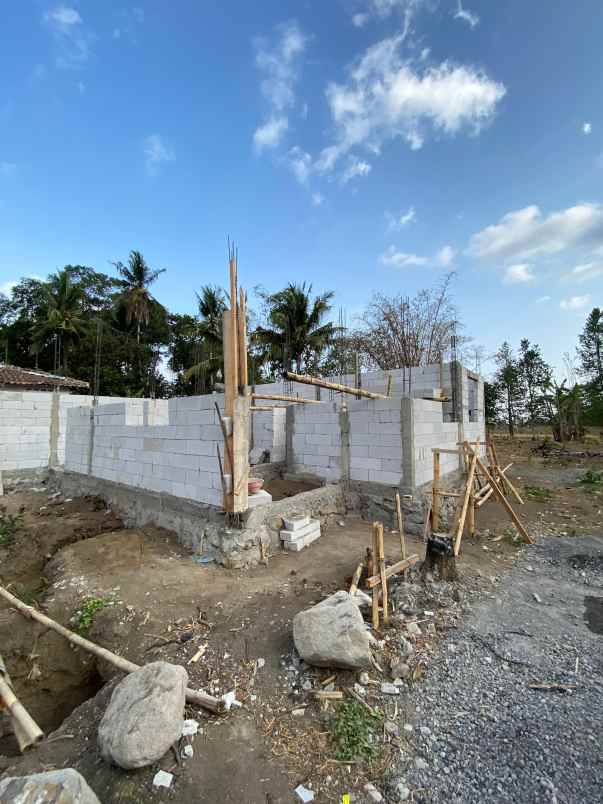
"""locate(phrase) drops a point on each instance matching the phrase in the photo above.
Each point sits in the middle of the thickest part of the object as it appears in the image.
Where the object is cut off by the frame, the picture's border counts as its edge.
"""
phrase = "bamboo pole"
(242, 341)
(259, 408)
(26, 729)
(356, 578)
(435, 502)
(126, 666)
(333, 386)
(401, 526)
(382, 574)
(468, 491)
(285, 398)
(400, 566)
(507, 506)
(375, 600)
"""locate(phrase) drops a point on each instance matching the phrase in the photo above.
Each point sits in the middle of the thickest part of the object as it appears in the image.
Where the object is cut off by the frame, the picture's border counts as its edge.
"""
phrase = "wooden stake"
(192, 696)
(468, 492)
(435, 500)
(356, 578)
(400, 566)
(427, 523)
(401, 526)
(382, 573)
(507, 506)
(375, 601)
(334, 386)
(388, 390)
(242, 342)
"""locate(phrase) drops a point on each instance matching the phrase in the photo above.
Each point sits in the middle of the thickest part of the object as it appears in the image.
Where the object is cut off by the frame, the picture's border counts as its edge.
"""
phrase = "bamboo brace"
(26, 730)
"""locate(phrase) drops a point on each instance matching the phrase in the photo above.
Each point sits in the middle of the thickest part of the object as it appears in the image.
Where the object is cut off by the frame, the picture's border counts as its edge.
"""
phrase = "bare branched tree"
(400, 331)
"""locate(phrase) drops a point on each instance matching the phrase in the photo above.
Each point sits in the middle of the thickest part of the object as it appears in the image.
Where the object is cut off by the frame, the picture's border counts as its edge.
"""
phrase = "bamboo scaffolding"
(284, 398)
(126, 666)
(333, 386)
(25, 728)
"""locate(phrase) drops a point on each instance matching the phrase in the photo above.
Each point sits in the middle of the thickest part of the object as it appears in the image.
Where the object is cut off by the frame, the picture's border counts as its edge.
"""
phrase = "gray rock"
(420, 764)
(372, 792)
(400, 670)
(402, 791)
(406, 648)
(333, 634)
(145, 715)
(64, 786)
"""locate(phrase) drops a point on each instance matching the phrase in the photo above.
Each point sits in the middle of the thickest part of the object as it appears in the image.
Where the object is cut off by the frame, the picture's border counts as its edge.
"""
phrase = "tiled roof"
(13, 375)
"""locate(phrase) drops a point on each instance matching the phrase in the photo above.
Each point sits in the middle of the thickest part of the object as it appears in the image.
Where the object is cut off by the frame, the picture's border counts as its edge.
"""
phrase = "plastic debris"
(163, 779)
(190, 728)
(188, 751)
(230, 700)
(303, 793)
(204, 559)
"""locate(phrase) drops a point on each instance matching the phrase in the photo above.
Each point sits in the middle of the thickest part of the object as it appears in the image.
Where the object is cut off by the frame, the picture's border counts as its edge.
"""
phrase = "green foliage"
(537, 493)
(590, 347)
(10, 524)
(591, 478)
(352, 730)
(85, 615)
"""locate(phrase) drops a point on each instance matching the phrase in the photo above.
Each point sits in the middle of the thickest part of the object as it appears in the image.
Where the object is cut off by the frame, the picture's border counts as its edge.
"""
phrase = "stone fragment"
(400, 670)
(413, 629)
(372, 792)
(389, 689)
(420, 764)
(402, 791)
(163, 779)
(145, 715)
(65, 786)
(333, 634)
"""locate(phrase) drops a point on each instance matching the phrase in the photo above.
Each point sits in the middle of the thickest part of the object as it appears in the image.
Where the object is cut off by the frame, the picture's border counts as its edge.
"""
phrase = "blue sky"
(361, 145)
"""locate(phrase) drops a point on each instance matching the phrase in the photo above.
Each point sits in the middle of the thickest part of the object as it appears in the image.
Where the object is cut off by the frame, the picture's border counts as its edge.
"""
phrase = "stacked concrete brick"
(24, 429)
(375, 437)
(316, 440)
(178, 458)
(430, 431)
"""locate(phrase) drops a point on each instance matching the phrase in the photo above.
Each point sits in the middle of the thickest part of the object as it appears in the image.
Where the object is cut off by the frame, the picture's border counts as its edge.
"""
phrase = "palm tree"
(208, 331)
(61, 316)
(295, 332)
(136, 297)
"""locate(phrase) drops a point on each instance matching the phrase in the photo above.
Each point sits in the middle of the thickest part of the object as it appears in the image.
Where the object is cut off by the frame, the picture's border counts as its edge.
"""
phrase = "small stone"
(402, 791)
(425, 730)
(259, 663)
(364, 678)
(408, 727)
(359, 689)
(341, 523)
(392, 728)
(413, 629)
(537, 598)
(372, 792)
(529, 568)
(190, 728)
(299, 712)
(400, 670)
(406, 648)
(420, 764)
(389, 689)
(307, 685)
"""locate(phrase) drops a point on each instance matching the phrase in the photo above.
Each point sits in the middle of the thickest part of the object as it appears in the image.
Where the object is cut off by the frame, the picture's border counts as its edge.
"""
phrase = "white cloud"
(445, 256)
(543, 299)
(399, 259)
(525, 233)
(425, 53)
(466, 16)
(355, 168)
(71, 37)
(270, 134)
(7, 168)
(156, 153)
(387, 97)
(279, 65)
(6, 288)
(399, 221)
(586, 271)
(300, 164)
(574, 303)
(519, 273)
(359, 20)
(318, 199)
(587, 128)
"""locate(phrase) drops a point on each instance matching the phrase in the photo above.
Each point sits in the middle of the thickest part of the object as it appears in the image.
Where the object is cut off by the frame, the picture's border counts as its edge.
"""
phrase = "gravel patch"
(481, 734)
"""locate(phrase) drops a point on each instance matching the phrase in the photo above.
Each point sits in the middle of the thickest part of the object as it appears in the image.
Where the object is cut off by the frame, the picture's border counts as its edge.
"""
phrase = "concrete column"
(344, 436)
(407, 436)
(289, 428)
(90, 456)
(53, 449)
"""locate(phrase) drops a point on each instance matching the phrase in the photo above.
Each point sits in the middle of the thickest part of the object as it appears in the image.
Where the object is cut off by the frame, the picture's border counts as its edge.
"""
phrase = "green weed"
(591, 478)
(84, 616)
(537, 493)
(352, 730)
(10, 524)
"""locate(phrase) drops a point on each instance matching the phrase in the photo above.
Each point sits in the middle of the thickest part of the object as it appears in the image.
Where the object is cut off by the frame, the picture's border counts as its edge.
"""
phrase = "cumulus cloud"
(156, 153)
(466, 16)
(400, 220)
(445, 256)
(518, 274)
(359, 20)
(270, 133)
(526, 233)
(587, 128)
(300, 164)
(387, 97)
(574, 303)
(72, 40)
(278, 63)
(400, 259)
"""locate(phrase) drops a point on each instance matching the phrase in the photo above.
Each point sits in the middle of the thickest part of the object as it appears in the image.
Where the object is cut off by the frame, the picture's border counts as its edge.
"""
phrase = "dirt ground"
(158, 603)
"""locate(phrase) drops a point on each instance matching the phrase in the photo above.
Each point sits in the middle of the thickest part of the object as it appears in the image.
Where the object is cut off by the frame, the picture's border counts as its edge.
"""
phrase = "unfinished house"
(166, 461)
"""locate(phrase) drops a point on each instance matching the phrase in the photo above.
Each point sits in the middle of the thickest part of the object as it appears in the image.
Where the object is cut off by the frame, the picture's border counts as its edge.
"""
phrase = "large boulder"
(333, 634)
(64, 786)
(145, 715)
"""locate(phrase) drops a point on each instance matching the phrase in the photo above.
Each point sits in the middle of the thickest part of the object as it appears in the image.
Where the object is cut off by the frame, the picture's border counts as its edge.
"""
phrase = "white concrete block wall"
(178, 458)
(24, 429)
(269, 433)
(430, 431)
(316, 441)
(376, 441)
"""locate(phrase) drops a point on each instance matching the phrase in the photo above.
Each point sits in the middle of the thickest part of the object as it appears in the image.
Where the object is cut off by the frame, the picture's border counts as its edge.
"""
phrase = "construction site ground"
(156, 602)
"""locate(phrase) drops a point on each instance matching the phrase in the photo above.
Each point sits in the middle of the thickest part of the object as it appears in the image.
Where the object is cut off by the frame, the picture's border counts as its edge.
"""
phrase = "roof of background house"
(33, 378)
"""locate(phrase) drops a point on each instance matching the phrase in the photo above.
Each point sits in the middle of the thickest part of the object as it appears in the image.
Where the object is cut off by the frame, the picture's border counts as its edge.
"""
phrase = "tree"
(564, 407)
(295, 333)
(509, 381)
(61, 317)
(137, 298)
(492, 399)
(535, 374)
(399, 331)
(590, 348)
